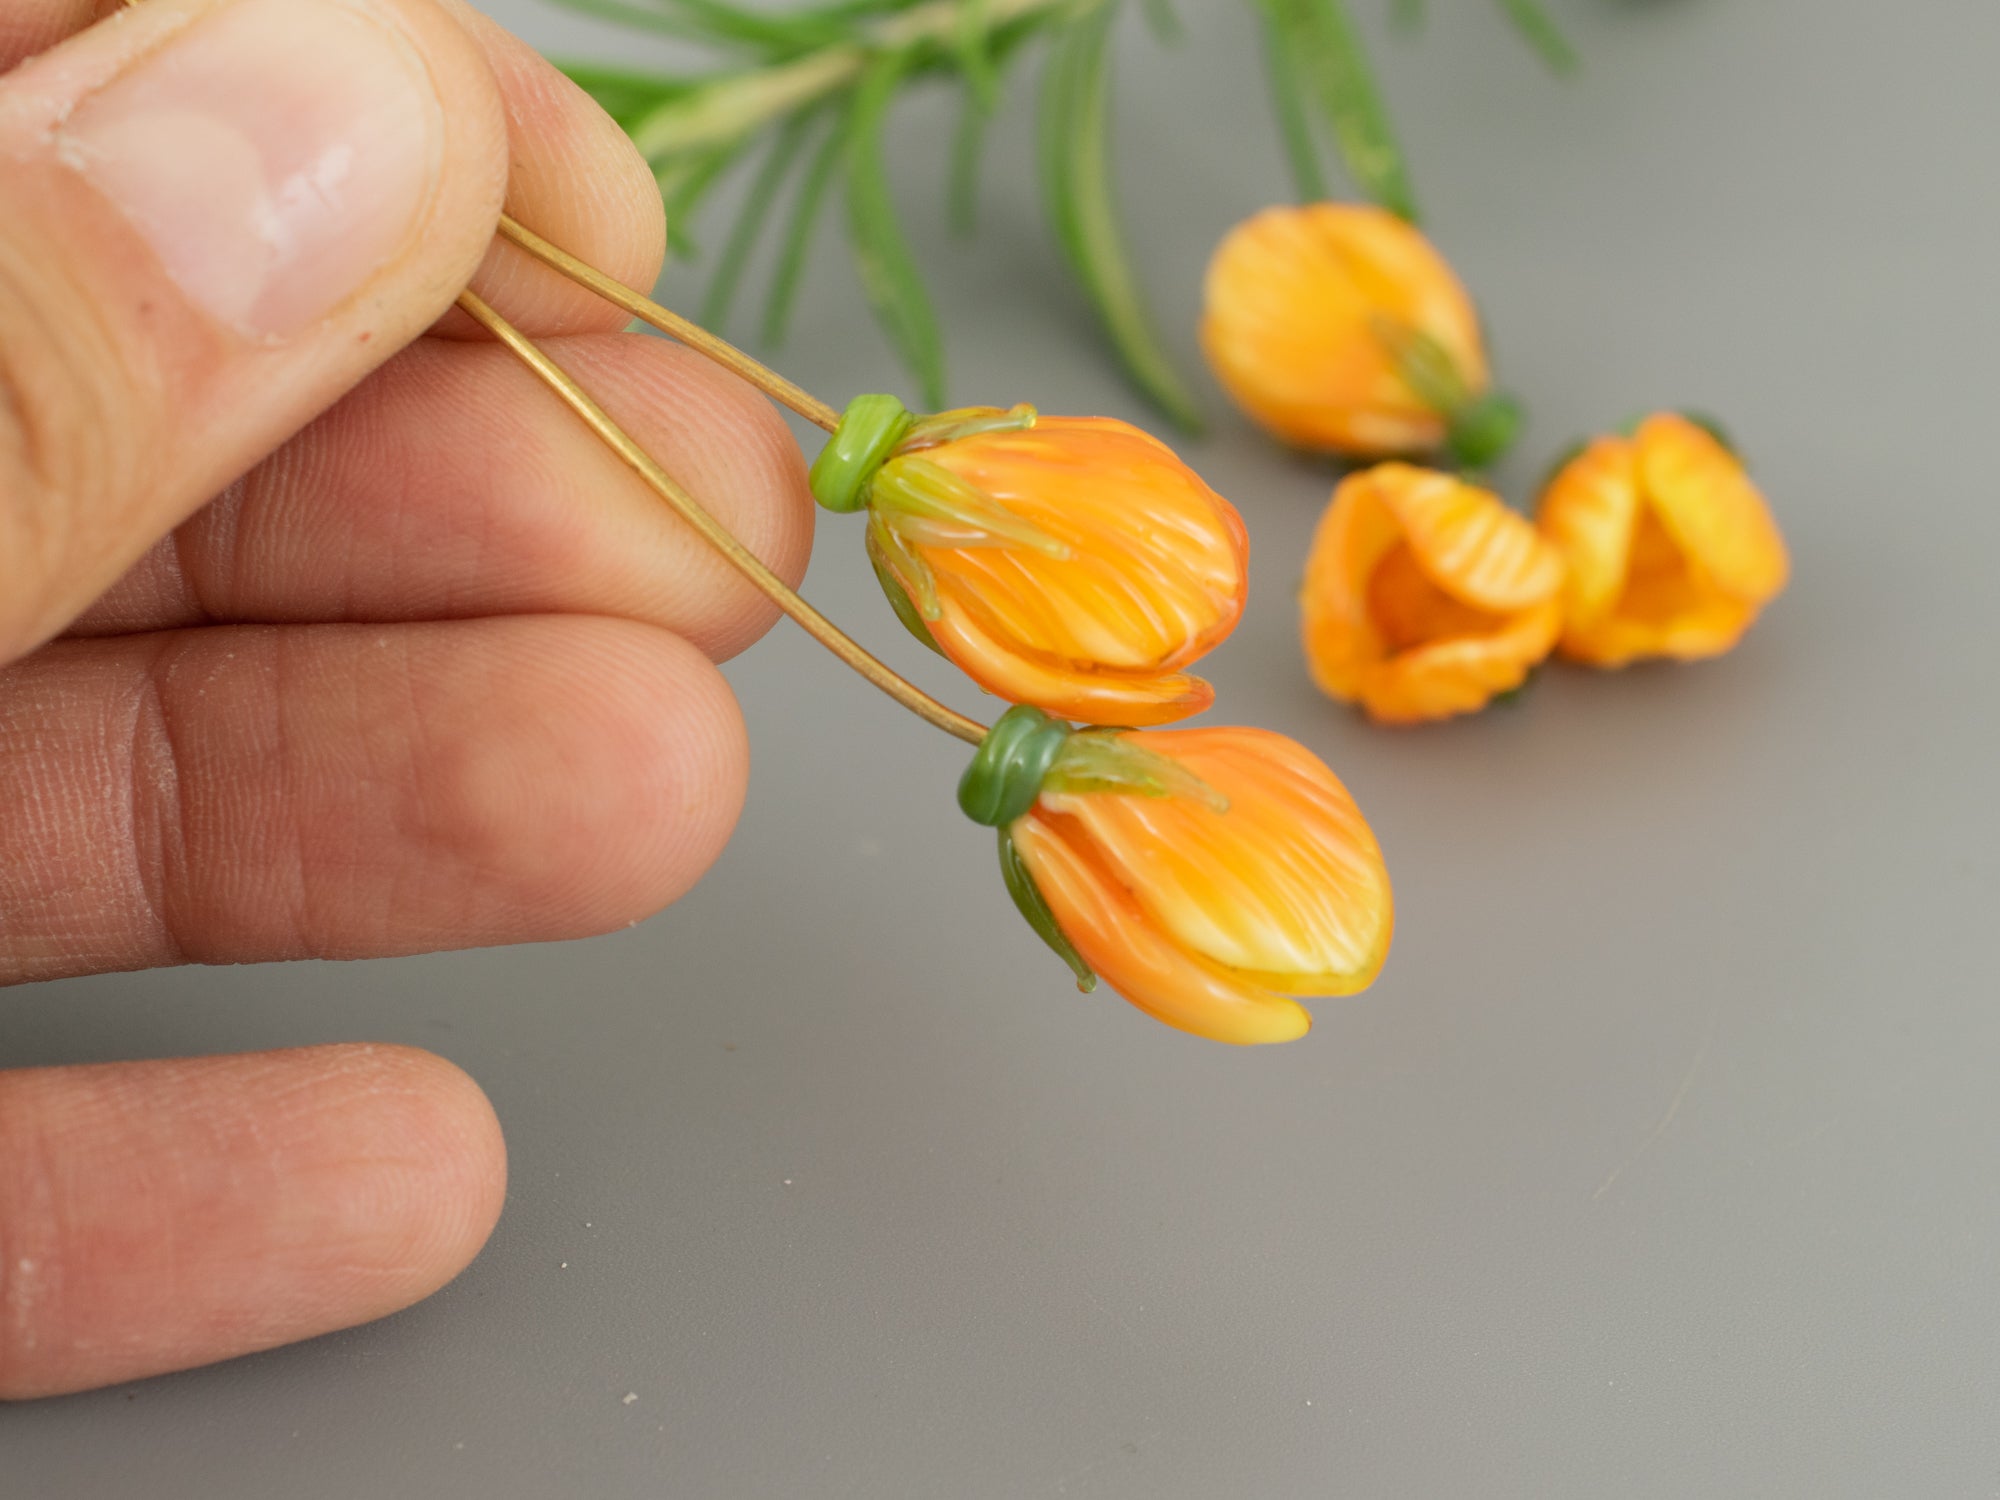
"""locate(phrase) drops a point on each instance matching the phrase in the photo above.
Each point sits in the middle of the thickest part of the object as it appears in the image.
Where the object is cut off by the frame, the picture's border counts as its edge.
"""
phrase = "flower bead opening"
(1671, 550)
(1425, 596)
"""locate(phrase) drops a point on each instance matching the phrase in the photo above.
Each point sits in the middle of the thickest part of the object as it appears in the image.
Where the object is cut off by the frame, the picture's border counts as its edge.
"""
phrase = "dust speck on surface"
(630, 1397)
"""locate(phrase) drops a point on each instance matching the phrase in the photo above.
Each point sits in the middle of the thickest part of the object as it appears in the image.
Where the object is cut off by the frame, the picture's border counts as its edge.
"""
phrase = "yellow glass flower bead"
(1671, 550)
(1074, 563)
(1337, 326)
(1208, 875)
(1425, 596)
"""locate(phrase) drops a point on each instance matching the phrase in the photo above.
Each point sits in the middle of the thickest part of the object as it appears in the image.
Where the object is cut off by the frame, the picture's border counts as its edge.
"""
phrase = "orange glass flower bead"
(1671, 550)
(1425, 596)
(1337, 326)
(1241, 876)
(1076, 563)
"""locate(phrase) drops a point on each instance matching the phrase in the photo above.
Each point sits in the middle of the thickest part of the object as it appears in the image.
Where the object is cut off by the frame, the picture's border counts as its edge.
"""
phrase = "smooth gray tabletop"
(1663, 1161)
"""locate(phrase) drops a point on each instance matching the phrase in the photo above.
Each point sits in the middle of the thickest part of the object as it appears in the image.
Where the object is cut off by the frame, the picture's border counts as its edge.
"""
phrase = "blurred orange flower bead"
(1671, 550)
(1313, 316)
(1211, 917)
(1425, 596)
(1076, 564)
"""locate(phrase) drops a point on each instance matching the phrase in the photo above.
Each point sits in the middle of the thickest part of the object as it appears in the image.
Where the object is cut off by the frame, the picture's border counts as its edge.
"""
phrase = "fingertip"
(345, 791)
(433, 1172)
(156, 1216)
(618, 781)
(576, 179)
(731, 449)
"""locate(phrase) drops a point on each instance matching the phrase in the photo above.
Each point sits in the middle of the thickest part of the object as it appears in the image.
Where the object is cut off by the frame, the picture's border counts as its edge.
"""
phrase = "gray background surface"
(1661, 1162)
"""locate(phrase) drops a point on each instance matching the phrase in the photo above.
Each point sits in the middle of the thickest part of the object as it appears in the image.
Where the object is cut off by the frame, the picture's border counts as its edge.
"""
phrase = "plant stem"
(732, 107)
(691, 510)
(671, 323)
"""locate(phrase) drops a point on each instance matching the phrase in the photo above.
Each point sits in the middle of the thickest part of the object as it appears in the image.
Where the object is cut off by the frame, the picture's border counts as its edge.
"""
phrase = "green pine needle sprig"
(806, 94)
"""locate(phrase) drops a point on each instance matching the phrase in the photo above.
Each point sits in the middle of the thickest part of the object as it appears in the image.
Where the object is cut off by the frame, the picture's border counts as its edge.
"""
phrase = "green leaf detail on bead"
(1106, 761)
(898, 595)
(1028, 898)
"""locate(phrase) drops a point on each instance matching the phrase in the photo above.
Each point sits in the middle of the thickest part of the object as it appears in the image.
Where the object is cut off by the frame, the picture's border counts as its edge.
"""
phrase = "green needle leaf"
(763, 192)
(639, 17)
(725, 24)
(623, 95)
(968, 152)
(1295, 127)
(1076, 176)
(1336, 65)
(973, 45)
(1161, 18)
(889, 275)
(1541, 33)
(798, 235)
(683, 184)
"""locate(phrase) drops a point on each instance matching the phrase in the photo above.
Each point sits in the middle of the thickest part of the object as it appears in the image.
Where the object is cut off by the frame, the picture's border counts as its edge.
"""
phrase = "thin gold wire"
(691, 510)
(671, 323)
(663, 484)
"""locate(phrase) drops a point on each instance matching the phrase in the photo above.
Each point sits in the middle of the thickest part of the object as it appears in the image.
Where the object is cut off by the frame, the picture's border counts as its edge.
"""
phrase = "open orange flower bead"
(1076, 564)
(1209, 907)
(1337, 326)
(1425, 595)
(1670, 548)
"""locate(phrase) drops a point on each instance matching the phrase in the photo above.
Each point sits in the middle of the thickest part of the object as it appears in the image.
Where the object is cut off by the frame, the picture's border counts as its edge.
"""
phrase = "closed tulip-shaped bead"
(1210, 876)
(1074, 563)
(1337, 326)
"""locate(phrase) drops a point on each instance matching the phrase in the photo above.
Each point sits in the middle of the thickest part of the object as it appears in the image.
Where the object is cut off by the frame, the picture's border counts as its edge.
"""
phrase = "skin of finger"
(573, 175)
(31, 26)
(248, 793)
(452, 484)
(122, 406)
(575, 179)
(160, 1215)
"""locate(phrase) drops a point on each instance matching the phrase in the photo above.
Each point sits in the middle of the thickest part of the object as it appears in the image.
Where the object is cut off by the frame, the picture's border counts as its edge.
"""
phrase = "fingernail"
(275, 155)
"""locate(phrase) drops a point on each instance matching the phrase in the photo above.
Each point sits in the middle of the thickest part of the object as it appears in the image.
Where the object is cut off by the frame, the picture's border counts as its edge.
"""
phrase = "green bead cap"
(1482, 430)
(1478, 428)
(1007, 770)
(868, 433)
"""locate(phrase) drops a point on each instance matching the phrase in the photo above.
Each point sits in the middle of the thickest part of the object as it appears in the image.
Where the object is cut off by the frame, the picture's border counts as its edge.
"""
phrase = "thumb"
(215, 217)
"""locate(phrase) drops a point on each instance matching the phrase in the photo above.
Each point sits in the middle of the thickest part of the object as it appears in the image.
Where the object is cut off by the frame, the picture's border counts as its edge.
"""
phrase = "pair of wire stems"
(663, 484)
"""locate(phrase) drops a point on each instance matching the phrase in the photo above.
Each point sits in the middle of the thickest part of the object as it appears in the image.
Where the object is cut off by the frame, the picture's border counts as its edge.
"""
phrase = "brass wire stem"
(663, 484)
(671, 323)
(712, 531)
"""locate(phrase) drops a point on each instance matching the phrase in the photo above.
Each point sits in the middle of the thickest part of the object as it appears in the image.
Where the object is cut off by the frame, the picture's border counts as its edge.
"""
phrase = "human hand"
(434, 672)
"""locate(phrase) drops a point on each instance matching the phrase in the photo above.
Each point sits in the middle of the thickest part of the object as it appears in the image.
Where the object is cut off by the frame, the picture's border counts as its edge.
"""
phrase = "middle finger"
(452, 485)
